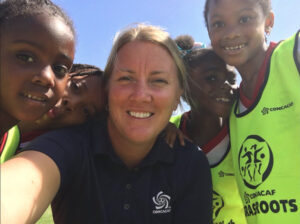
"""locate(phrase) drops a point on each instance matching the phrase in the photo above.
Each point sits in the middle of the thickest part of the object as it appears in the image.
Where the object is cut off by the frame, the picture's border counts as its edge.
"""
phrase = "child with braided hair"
(82, 100)
(212, 88)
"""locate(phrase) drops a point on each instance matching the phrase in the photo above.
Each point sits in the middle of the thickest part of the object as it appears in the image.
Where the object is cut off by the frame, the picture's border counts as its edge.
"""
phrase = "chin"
(28, 117)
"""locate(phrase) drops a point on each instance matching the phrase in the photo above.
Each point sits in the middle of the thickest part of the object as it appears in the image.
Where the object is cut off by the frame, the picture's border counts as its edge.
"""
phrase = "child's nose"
(232, 32)
(45, 77)
(70, 104)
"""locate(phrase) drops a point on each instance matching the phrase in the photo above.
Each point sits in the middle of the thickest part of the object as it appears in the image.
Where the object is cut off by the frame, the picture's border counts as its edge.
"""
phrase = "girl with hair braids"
(212, 87)
(82, 100)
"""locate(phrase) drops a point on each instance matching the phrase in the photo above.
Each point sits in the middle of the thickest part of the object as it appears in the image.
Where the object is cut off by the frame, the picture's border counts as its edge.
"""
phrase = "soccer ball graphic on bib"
(255, 161)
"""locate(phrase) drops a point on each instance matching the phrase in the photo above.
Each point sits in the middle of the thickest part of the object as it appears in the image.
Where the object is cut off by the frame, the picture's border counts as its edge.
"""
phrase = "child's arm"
(172, 132)
(29, 182)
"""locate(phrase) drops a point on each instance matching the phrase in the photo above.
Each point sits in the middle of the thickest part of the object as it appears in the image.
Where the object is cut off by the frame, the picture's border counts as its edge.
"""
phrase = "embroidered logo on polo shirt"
(162, 203)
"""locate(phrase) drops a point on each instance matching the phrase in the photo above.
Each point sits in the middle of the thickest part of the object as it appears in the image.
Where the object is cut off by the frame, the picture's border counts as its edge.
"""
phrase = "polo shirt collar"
(160, 152)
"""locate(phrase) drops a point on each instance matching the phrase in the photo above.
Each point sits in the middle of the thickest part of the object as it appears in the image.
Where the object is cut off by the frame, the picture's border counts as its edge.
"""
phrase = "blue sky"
(97, 21)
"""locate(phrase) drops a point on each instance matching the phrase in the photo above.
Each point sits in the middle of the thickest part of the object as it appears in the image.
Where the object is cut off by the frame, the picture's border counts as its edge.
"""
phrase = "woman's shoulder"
(190, 164)
(66, 138)
(190, 153)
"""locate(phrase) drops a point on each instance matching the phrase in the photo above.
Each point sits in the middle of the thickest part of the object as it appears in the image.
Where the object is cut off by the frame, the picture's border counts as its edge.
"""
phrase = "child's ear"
(269, 22)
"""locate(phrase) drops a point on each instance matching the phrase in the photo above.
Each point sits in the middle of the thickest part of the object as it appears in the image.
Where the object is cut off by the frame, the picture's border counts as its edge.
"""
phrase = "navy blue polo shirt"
(168, 186)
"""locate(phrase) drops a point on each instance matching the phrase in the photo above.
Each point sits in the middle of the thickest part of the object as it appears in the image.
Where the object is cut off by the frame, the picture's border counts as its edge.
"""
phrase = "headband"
(196, 46)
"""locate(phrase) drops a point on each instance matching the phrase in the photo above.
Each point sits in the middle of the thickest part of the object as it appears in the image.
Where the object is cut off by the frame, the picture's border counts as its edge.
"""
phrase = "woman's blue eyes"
(162, 81)
(125, 78)
(158, 80)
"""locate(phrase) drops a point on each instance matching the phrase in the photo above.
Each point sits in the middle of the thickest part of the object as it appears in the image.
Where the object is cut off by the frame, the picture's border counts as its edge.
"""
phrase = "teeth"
(35, 97)
(235, 47)
(140, 114)
(221, 99)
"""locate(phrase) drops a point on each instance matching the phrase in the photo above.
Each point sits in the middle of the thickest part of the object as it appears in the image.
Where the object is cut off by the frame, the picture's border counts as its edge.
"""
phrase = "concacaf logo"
(218, 204)
(255, 161)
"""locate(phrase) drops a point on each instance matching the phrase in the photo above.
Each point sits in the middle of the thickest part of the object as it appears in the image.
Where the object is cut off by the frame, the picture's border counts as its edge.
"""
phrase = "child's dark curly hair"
(10, 9)
(265, 4)
(85, 69)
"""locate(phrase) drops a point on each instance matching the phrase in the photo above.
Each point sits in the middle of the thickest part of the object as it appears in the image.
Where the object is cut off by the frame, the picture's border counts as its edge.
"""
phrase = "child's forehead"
(234, 4)
(11, 9)
(212, 63)
(41, 21)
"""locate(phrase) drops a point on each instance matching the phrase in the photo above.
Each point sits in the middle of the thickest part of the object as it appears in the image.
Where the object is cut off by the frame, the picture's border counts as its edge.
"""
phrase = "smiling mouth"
(234, 48)
(35, 98)
(140, 114)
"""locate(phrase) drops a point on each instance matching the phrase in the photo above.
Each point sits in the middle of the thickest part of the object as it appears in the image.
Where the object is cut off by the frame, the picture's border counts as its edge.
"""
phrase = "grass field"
(46, 217)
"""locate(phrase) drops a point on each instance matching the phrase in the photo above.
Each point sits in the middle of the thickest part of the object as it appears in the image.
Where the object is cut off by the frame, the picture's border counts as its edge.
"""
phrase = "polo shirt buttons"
(126, 206)
(128, 186)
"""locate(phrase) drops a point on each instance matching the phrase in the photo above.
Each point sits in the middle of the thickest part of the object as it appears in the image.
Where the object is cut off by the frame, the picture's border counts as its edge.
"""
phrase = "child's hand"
(171, 132)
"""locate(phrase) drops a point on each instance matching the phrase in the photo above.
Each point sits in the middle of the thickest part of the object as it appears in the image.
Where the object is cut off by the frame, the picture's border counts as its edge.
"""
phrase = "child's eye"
(232, 81)
(245, 19)
(211, 78)
(231, 77)
(74, 86)
(218, 24)
(26, 58)
(60, 71)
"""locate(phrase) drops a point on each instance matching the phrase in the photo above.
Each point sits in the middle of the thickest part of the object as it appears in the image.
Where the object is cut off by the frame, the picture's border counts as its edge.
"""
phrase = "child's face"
(36, 54)
(82, 99)
(237, 30)
(212, 85)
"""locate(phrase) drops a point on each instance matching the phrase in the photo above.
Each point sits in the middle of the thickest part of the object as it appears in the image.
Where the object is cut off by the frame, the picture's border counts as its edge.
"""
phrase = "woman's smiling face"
(143, 90)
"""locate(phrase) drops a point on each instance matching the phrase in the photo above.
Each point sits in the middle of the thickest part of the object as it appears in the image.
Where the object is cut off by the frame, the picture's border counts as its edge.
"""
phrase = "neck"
(26, 126)
(131, 153)
(6, 122)
(250, 71)
(203, 126)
